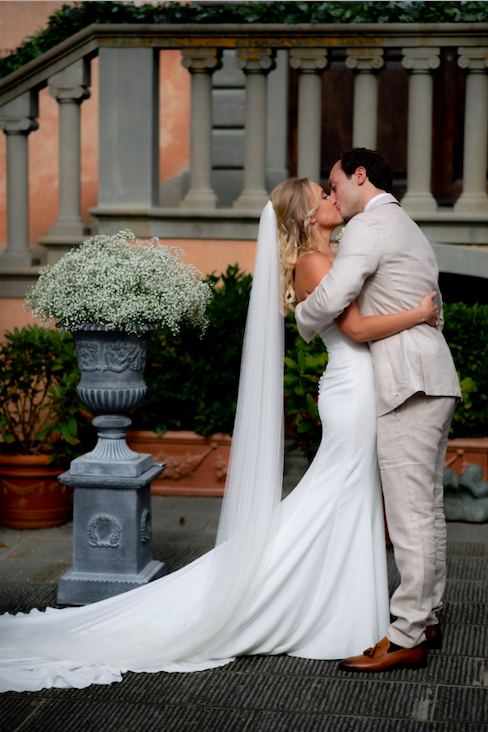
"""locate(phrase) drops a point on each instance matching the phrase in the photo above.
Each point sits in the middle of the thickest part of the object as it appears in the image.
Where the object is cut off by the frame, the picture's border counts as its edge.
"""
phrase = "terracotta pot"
(31, 495)
(465, 451)
(195, 465)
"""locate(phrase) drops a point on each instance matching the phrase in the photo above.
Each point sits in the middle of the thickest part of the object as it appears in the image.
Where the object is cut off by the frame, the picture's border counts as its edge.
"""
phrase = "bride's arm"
(374, 327)
(312, 268)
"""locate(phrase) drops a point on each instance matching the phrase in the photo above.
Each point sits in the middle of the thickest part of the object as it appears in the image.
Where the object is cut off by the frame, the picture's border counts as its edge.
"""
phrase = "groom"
(387, 265)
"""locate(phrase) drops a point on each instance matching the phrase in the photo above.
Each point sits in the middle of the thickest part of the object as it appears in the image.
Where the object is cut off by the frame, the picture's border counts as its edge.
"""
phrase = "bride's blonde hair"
(292, 204)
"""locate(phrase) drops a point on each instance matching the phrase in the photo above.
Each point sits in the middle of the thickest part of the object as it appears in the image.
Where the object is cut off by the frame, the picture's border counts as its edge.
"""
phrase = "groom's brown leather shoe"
(433, 635)
(379, 659)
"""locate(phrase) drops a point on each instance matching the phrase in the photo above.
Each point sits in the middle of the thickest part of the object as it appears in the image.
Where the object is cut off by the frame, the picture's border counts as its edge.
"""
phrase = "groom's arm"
(358, 259)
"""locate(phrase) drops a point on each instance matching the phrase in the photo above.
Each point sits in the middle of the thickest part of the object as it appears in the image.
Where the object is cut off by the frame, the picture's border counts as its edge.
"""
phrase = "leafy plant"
(304, 365)
(192, 382)
(466, 332)
(40, 411)
(70, 19)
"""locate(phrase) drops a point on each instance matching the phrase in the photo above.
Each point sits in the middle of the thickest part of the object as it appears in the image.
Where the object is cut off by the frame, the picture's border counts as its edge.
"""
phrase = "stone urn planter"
(195, 465)
(112, 550)
(31, 495)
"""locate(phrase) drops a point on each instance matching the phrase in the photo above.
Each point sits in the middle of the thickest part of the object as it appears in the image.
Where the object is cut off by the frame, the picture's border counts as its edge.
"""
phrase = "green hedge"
(70, 19)
(466, 333)
(192, 381)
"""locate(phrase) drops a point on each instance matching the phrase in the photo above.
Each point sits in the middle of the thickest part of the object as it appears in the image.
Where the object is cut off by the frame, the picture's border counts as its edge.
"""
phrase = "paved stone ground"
(260, 693)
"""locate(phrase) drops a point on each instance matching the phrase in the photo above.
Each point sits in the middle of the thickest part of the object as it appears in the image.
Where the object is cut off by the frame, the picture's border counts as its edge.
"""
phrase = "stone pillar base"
(199, 199)
(472, 203)
(419, 203)
(251, 200)
(82, 588)
(12, 259)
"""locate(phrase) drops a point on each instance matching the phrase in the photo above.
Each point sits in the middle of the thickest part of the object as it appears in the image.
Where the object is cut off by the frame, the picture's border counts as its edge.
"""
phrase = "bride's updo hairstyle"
(292, 201)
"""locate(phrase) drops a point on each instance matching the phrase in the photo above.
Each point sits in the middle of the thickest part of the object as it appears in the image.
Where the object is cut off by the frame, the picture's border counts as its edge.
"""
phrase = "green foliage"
(466, 331)
(192, 381)
(70, 19)
(40, 410)
(304, 365)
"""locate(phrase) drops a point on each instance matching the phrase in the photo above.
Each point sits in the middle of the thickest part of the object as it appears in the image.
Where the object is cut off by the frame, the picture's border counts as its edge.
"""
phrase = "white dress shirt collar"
(380, 195)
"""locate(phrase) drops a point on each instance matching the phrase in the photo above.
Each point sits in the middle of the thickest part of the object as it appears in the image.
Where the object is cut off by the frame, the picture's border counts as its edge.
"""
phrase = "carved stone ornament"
(311, 60)
(421, 60)
(473, 59)
(201, 59)
(364, 59)
(117, 356)
(255, 60)
(104, 531)
(146, 526)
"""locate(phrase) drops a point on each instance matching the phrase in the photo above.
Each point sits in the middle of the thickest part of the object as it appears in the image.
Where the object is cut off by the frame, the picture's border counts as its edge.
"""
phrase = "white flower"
(121, 282)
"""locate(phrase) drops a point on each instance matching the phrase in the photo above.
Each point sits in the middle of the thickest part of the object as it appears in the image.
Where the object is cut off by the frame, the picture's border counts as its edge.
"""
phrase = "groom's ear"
(360, 175)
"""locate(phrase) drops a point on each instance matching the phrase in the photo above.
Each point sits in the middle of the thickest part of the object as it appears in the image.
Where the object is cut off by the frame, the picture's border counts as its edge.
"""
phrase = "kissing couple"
(305, 576)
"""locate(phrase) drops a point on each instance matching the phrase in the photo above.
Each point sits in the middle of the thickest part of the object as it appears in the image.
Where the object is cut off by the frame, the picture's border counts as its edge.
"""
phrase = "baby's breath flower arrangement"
(122, 283)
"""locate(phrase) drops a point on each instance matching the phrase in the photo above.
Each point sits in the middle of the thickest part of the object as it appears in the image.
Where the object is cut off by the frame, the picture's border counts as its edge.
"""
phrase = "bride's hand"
(429, 311)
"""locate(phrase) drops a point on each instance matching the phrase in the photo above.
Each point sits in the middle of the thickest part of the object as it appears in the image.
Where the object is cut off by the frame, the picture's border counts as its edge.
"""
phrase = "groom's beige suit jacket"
(387, 265)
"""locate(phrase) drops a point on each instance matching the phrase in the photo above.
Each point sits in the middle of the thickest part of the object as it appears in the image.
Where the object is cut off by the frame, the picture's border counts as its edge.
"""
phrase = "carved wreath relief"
(104, 531)
(115, 356)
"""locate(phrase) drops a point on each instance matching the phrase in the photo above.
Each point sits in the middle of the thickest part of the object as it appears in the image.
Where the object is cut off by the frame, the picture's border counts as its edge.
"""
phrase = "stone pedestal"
(112, 548)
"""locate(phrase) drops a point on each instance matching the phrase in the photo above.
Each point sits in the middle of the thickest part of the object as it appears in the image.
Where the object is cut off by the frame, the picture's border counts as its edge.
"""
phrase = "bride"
(306, 576)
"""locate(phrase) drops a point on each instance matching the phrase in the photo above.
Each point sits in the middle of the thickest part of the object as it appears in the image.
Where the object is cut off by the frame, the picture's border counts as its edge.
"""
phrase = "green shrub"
(192, 381)
(304, 365)
(70, 19)
(466, 331)
(40, 411)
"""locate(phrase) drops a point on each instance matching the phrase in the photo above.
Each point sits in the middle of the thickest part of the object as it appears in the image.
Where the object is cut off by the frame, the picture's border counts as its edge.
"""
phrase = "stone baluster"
(69, 88)
(473, 198)
(201, 63)
(365, 62)
(310, 63)
(256, 64)
(17, 120)
(420, 62)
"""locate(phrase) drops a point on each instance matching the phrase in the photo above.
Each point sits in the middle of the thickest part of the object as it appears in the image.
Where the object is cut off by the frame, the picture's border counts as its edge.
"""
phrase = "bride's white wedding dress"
(322, 592)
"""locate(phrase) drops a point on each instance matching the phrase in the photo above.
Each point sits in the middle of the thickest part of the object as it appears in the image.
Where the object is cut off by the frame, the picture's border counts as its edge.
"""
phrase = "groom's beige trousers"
(412, 442)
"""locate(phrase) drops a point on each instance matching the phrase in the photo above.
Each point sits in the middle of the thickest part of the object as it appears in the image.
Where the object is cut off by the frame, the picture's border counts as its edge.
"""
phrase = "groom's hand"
(429, 310)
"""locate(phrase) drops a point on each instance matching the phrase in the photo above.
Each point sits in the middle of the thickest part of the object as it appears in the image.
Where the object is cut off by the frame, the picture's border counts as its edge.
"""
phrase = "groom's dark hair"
(377, 169)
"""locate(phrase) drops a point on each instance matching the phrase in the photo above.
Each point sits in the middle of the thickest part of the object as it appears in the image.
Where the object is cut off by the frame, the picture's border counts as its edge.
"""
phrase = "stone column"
(365, 62)
(473, 198)
(420, 62)
(201, 63)
(256, 64)
(310, 63)
(69, 88)
(128, 128)
(18, 121)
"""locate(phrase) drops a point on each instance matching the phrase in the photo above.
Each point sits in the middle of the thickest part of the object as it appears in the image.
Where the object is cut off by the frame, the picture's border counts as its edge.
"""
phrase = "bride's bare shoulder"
(310, 269)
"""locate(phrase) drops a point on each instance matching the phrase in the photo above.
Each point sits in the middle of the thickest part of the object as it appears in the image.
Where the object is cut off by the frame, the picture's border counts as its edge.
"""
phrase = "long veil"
(104, 636)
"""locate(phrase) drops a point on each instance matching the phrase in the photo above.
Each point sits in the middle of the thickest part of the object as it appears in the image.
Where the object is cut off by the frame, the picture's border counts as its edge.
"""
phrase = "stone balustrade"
(129, 103)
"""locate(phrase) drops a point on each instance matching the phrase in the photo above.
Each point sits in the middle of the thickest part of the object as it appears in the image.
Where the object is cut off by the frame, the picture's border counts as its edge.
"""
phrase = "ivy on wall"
(70, 19)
